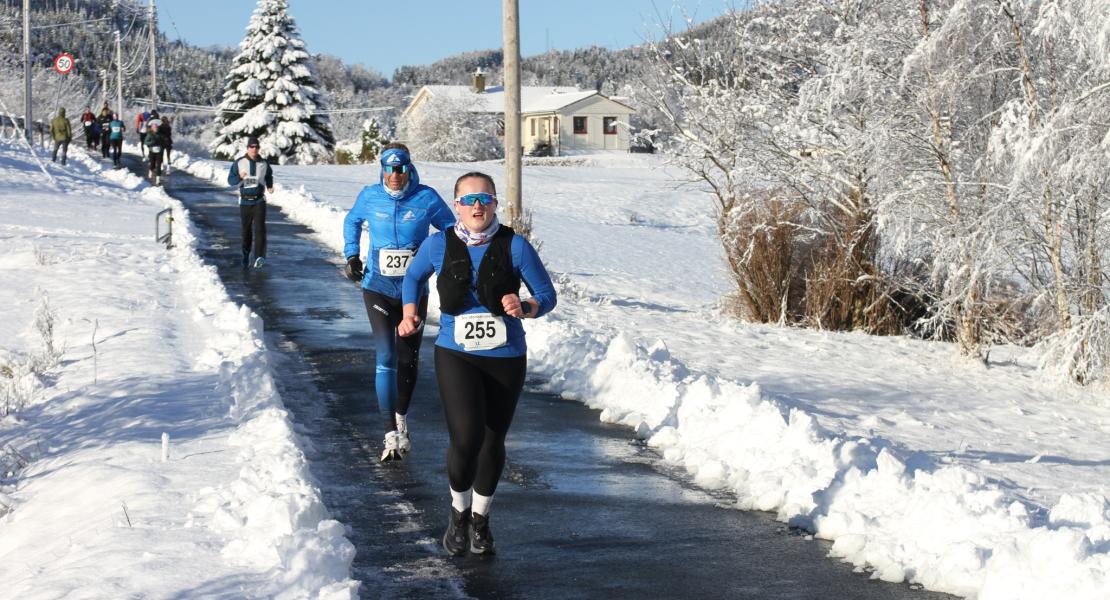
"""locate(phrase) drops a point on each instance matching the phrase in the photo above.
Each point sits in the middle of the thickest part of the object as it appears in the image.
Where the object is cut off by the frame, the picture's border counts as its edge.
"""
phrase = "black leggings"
(479, 395)
(395, 357)
(253, 220)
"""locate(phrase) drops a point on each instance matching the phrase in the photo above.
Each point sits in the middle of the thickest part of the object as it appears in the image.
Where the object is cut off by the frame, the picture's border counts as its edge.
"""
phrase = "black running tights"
(396, 358)
(253, 220)
(479, 395)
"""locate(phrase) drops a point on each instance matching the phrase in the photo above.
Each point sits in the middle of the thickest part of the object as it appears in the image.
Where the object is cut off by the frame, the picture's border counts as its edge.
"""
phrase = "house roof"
(532, 99)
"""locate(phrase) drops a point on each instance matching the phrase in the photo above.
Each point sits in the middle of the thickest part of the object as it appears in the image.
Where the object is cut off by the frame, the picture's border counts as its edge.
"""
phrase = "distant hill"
(593, 68)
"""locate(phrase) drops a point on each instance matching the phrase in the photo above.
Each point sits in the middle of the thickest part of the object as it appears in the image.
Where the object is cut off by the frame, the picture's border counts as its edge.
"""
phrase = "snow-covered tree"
(944, 156)
(447, 129)
(271, 93)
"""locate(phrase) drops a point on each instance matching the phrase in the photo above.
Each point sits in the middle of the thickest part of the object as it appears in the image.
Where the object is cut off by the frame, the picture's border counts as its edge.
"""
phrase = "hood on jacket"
(61, 112)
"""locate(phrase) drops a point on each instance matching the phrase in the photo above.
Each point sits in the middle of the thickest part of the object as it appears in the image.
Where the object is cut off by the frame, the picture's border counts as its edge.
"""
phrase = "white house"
(561, 119)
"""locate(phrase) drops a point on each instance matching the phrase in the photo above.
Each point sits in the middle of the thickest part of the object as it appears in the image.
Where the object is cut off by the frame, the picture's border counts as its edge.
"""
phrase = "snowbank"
(155, 349)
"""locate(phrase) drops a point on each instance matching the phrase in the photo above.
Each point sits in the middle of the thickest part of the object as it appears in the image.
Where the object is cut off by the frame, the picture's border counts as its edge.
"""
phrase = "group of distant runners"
(105, 131)
(480, 350)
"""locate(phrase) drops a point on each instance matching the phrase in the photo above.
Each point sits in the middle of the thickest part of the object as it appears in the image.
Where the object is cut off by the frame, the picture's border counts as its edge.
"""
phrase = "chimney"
(479, 81)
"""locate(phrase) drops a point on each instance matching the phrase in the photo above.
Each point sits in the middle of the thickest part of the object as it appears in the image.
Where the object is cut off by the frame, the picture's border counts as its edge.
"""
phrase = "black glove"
(354, 269)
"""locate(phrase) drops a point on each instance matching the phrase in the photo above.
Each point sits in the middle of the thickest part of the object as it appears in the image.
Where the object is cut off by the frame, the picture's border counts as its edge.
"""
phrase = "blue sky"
(386, 35)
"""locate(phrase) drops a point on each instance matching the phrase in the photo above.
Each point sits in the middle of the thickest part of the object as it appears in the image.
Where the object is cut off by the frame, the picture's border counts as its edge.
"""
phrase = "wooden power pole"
(511, 33)
(153, 48)
(27, 71)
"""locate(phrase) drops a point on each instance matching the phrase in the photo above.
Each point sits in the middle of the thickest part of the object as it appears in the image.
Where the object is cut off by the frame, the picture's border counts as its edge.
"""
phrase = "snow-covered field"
(984, 481)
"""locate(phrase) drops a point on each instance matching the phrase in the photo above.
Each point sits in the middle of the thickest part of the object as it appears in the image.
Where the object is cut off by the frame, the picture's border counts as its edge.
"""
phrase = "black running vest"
(495, 274)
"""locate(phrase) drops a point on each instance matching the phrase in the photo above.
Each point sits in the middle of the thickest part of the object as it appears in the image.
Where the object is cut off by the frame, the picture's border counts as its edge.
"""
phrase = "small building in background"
(555, 121)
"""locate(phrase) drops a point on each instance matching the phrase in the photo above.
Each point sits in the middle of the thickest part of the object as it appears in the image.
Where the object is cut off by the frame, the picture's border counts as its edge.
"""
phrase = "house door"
(545, 135)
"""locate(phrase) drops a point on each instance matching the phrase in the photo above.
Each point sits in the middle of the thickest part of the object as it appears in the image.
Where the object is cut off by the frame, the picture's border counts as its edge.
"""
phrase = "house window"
(533, 122)
(579, 124)
(609, 125)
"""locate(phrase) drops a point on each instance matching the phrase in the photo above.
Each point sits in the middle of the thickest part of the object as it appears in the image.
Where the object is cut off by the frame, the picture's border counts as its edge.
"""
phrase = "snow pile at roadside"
(946, 528)
(152, 345)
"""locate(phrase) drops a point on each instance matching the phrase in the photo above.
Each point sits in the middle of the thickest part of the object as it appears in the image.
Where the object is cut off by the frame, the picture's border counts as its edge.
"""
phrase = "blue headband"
(395, 157)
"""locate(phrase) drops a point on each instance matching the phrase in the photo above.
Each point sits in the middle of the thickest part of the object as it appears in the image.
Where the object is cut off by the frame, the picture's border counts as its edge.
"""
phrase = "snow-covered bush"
(446, 129)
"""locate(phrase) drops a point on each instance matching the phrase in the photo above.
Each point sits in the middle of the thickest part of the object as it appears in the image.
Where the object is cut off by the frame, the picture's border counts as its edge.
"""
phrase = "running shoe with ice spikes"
(481, 540)
(390, 450)
(455, 540)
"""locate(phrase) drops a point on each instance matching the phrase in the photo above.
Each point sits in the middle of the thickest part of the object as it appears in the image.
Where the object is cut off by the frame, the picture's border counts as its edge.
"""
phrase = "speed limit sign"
(63, 63)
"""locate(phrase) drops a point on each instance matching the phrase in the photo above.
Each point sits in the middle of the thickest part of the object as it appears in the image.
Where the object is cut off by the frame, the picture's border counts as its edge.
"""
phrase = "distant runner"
(481, 354)
(398, 211)
(88, 123)
(61, 133)
(156, 144)
(254, 177)
(115, 138)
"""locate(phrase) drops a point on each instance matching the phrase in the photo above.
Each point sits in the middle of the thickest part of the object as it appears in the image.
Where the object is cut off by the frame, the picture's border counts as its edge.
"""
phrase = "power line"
(71, 23)
(216, 109)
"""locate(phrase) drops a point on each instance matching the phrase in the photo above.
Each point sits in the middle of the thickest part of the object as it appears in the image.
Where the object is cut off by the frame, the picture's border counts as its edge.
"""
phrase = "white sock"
(402, 423)
(460, 501)
(481, 504)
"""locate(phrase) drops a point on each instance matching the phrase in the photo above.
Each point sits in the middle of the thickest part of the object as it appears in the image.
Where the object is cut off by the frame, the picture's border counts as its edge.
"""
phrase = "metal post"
(27, 72)
(119, 77)
(511, 34)
(153, 71)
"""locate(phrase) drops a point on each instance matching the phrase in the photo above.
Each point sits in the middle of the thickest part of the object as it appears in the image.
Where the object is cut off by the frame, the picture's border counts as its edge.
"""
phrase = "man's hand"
(354, 269)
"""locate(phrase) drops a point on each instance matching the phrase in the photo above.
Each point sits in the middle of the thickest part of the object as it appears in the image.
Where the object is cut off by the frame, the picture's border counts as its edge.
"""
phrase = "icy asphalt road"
(582, 511)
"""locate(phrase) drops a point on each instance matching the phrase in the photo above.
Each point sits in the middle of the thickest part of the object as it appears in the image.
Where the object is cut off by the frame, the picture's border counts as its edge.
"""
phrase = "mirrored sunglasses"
(402, 169)
(483, 198)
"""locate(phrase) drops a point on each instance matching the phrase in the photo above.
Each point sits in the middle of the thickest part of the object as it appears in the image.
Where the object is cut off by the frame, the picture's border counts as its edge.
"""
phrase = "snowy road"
(582, 511)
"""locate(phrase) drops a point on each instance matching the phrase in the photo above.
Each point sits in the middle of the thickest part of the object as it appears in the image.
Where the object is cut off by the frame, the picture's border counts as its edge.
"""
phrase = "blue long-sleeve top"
(393, 223)
(526, 265)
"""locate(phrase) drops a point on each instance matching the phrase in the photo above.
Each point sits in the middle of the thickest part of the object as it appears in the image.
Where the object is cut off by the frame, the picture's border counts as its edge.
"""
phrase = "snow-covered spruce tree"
(445, 129)
(271, 94)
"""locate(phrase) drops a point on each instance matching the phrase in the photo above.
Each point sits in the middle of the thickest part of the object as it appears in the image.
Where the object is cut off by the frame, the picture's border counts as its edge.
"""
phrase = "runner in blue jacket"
(397, 211)
(481, 356)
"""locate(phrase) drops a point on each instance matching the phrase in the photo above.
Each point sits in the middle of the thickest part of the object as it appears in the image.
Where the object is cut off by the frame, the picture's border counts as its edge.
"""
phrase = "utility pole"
(153, 71)
(27, 71)
(119, 77)
(511, 34)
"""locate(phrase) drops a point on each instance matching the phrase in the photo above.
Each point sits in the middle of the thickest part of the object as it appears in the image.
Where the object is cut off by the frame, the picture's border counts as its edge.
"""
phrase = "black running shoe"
(455, 540)
(481, 540)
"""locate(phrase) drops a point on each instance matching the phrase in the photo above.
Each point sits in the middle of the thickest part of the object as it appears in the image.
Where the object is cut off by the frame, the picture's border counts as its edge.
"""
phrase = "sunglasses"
(402, 169)
(253, 146)
(482, 198)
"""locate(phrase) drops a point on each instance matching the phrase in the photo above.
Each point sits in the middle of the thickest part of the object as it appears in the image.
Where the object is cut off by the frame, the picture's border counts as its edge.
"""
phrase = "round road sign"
(63, 63)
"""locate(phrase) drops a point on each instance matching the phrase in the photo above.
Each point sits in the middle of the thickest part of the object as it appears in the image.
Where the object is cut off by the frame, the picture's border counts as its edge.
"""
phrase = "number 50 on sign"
(64, 63)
